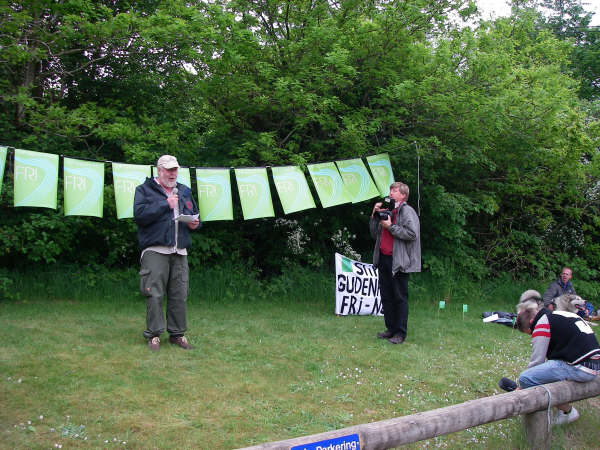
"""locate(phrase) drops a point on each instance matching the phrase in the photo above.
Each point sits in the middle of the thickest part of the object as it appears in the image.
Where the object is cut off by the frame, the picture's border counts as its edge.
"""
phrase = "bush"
(7, 291)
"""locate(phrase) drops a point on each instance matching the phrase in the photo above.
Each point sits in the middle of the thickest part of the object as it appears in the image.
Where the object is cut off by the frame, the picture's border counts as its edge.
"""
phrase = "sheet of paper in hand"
(186, 218)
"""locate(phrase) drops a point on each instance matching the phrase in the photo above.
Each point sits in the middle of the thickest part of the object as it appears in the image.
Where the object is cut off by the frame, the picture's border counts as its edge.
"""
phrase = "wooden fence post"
(539, 434)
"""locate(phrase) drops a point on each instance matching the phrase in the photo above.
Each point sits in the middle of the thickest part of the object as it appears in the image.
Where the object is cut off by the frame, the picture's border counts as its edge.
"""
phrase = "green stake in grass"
(465, 309)
(442, 306)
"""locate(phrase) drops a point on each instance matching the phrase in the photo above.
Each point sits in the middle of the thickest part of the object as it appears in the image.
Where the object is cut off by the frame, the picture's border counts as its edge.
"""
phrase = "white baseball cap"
(167, 162)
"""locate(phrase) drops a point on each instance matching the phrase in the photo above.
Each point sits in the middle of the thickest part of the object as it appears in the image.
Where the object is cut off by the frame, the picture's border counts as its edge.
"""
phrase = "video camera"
(388, 204)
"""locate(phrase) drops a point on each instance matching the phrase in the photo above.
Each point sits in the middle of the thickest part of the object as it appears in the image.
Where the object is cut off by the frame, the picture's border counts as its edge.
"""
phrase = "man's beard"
(166, 183)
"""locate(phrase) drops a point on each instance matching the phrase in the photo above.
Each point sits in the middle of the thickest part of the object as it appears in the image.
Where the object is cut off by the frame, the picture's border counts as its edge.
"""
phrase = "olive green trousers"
(162, 275)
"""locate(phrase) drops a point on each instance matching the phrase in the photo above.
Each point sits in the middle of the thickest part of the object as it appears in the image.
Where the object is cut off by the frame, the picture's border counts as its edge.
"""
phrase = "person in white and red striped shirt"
(563, 348)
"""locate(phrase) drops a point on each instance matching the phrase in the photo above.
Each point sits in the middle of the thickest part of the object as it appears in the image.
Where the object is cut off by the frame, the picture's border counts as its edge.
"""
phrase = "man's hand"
(193, 224)
(376, 208)
(172, 200)
(386, 223)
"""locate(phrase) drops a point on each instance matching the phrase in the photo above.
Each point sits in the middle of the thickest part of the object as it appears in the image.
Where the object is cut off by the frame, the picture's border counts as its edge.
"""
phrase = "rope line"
(549, 408)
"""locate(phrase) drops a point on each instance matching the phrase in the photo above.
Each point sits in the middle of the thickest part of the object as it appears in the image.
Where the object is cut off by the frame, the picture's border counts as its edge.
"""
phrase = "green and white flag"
(126, 177)
(357, 180)
(214, 194)
(83, 187)
(255, 195)
(381, 169)
(292, 189)
(3, 152)
(183, 175)
(329, 184)
(36, 179)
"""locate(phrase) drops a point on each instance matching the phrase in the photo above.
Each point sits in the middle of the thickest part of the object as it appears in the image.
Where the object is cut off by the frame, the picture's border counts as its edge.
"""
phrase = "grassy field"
(271, 362)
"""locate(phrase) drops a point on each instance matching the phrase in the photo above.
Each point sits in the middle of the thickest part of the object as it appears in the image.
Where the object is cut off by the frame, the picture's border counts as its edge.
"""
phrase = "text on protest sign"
(356, 288)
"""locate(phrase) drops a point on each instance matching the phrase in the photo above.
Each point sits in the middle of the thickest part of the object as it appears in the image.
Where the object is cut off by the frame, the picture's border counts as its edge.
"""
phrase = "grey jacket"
(556, 290)
(406, 253)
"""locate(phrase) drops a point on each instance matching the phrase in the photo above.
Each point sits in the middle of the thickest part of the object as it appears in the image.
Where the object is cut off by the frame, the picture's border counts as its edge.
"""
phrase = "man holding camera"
(396, 230)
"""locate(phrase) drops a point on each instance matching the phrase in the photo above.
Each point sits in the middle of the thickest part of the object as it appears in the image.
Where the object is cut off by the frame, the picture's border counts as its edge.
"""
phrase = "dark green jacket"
(154, 218)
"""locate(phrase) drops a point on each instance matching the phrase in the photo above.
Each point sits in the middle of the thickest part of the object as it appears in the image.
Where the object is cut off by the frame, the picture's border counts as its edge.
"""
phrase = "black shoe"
(507, 384)
(384, 334)
(180, 341)
(396, 339)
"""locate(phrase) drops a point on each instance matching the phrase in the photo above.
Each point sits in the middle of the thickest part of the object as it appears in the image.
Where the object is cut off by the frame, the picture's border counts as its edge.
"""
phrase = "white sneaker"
(154, 344)
(562, 417)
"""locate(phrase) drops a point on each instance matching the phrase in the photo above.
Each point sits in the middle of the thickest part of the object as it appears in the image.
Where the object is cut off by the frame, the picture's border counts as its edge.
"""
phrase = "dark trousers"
(162, 275)
(394, 296)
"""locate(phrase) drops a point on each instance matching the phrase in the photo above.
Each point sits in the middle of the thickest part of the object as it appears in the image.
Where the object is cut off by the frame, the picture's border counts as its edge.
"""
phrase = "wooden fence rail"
(532, 403)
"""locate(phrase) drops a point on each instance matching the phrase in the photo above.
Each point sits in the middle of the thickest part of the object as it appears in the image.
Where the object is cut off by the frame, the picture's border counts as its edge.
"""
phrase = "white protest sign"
(356, 288)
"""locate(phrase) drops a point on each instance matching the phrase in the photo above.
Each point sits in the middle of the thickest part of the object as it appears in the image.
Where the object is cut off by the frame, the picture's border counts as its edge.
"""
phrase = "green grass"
(271, 362)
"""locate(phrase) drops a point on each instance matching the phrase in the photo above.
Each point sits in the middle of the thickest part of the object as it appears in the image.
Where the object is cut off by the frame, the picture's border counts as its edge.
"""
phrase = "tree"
(96, 79)
(568, 20)
(507, 154)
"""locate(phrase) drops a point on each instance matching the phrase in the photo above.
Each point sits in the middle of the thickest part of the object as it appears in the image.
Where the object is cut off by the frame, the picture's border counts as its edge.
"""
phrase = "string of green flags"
(36, 184)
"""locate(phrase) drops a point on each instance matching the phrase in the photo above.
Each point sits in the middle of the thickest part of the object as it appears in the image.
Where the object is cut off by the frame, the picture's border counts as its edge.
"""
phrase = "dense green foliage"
(568, 20)
(499, 118)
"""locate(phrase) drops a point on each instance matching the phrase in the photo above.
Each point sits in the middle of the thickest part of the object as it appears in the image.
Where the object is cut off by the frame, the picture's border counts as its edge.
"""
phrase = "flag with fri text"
(36, 179)
(126, 177)
(83, 183)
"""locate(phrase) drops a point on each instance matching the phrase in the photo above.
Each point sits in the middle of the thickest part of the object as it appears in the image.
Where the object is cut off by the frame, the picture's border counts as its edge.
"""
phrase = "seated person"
(560, 286)
(563, 348)
(588, 311)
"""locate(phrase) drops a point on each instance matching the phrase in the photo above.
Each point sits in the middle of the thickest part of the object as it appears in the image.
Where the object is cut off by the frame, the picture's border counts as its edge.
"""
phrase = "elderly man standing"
(164, 241)
(397, 253)
(559, 287)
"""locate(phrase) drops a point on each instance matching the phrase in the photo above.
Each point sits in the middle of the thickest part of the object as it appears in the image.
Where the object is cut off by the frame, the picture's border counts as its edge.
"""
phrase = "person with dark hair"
(397, 253)
(163, 238)
(564, 347)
